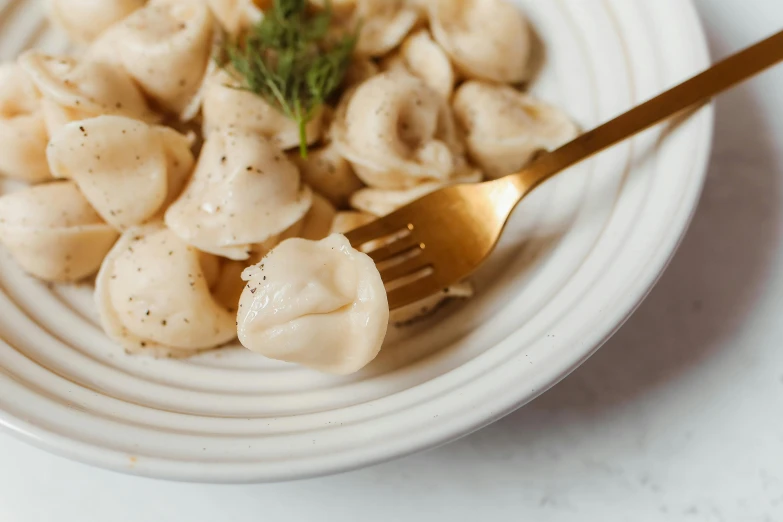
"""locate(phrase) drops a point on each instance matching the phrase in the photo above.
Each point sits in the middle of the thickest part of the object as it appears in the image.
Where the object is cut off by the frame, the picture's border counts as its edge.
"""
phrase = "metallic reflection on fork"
(443, 237)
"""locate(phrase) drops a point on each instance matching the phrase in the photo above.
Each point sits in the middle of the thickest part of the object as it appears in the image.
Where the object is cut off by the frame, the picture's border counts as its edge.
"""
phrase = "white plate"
(579, 257)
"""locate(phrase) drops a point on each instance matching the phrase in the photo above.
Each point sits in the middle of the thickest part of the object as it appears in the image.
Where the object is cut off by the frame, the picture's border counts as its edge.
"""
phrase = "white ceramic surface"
(579, 256)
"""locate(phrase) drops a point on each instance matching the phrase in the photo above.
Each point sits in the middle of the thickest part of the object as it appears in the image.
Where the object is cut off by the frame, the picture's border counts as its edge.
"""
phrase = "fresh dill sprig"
(292, 60)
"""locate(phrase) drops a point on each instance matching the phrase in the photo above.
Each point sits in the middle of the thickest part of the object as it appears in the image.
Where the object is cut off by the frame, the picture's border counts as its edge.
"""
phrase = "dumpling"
(243, 192)
(22, 129)
(425, 59)
(166, 48)
(227, 108)
(328, 174)
(384, 25)
(319, 304)
(382, 202)
(236, 15)
(153, 295)
(124, 167)
(486, 39)
(505, 127)
(74, 90)
(53, 233)
(398, 133)
(85, 20)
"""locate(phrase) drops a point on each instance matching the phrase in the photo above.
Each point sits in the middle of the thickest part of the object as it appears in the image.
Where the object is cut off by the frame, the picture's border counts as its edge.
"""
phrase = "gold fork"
(443, 237)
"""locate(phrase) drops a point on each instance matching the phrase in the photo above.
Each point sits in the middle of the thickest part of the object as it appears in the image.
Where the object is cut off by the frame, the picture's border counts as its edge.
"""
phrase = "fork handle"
(701, 88)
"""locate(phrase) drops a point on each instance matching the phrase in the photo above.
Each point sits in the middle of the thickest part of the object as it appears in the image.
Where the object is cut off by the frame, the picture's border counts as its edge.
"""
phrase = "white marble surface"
(678, 418)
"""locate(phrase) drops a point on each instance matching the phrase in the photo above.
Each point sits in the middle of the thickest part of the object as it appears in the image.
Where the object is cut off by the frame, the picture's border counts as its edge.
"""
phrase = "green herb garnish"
(291, 59)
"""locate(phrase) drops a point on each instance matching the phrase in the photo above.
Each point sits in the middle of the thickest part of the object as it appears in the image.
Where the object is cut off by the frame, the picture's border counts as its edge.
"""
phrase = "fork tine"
(406, 268)
(359, 236)
(414, 291)
(382, 227)
(399, 246)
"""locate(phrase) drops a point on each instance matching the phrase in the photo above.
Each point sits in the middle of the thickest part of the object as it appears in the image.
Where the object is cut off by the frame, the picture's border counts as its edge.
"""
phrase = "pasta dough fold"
(53, 233)
(154, 294)
(505, 127)
(243, 192)
(318, 304)
(127, 170)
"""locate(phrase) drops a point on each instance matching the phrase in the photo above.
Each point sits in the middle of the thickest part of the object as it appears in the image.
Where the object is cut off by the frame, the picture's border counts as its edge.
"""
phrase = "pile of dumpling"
(189, 198)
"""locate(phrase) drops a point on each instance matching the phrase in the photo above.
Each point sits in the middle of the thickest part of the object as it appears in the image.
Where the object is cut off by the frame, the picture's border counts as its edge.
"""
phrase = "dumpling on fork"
(319, 304)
